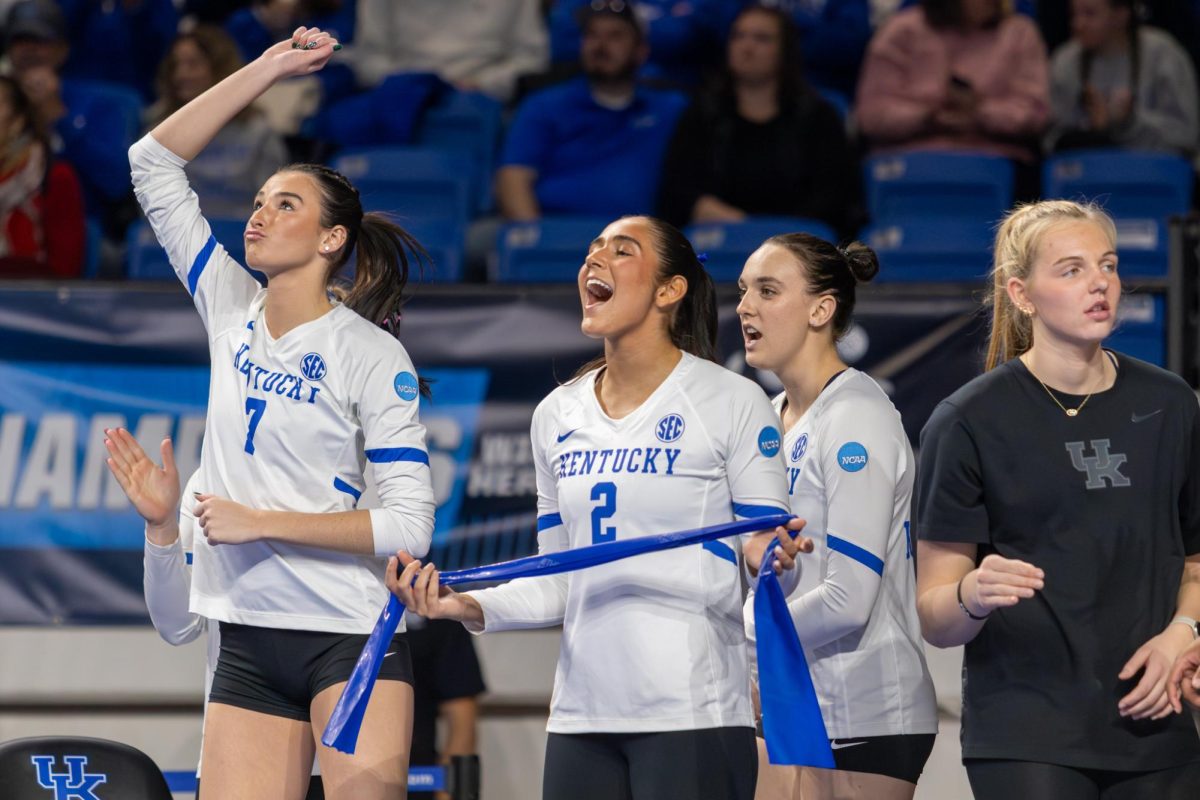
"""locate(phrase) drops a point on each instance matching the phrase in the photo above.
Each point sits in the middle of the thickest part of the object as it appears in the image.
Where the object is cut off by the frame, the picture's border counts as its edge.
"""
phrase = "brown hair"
(219, 49)
(1017, 242)
(831, 270)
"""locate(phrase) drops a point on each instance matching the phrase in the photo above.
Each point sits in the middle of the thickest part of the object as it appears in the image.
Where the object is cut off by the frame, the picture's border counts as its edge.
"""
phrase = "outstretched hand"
(154, 491)
(307, 51)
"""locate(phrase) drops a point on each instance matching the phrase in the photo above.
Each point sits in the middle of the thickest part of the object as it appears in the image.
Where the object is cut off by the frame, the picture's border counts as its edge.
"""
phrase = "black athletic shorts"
(279, 672)
(707, 764)
(902, 757)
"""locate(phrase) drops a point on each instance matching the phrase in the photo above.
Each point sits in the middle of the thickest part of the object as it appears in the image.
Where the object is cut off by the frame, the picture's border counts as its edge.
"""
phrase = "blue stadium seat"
(917, 185)
(468, 122)
(931, 250)
(412, 182)
(548, 251)
(1142, 247)
(1141, 328)
(444, 241)
(729, 244)
(92, 239)
(145, 260)
(1127, 183)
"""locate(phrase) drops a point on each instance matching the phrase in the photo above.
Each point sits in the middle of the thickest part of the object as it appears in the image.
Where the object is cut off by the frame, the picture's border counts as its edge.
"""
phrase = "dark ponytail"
(383, 251)
(831, 270)
(693, 324)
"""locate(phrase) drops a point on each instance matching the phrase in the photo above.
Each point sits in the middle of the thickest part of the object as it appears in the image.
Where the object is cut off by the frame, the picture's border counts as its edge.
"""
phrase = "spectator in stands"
(685, 38)
(477, 46)
(246, 151)
(593, 145)
(957, 75)
(41, 205)
(84, 126)
(1118, 83)
(763, 142)
(135, 35)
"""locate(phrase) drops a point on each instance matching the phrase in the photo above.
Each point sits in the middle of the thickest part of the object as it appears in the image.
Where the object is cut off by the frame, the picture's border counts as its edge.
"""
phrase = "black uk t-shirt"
(1107, 503)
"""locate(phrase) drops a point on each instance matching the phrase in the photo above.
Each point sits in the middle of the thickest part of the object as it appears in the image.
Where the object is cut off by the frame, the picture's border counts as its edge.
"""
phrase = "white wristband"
(1191, 623)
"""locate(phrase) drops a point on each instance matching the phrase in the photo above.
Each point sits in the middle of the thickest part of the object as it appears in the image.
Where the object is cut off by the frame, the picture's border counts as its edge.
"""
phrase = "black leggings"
(710, 764)
(994, 779)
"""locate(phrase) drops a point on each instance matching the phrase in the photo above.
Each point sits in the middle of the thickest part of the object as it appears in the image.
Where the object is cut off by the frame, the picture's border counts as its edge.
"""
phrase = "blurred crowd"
(693, 110)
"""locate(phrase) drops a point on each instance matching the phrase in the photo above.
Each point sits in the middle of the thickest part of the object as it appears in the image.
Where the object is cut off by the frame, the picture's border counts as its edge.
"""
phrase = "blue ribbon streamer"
(791, 716)
(787, 682)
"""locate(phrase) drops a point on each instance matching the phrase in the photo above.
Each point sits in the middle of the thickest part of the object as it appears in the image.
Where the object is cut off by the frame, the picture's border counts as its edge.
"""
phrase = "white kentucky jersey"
(293, 424)
(654, 642)
(850, 475)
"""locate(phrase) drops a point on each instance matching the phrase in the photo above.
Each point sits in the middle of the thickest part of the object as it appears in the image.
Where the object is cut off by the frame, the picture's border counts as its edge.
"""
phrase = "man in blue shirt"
(594, 145)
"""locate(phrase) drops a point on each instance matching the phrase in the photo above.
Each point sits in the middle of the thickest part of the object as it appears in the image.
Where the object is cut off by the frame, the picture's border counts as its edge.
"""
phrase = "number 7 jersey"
(293, 424)
(655, 642)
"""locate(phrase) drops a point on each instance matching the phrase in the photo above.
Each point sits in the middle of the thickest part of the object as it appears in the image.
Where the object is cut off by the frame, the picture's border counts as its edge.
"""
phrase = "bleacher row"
(933, 214)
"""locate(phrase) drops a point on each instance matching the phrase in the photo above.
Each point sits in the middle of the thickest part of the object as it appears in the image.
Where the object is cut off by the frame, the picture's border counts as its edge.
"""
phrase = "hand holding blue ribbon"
(805, 716)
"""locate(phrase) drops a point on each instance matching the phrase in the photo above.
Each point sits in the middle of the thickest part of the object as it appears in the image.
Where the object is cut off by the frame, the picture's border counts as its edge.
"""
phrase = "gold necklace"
(1070, 412)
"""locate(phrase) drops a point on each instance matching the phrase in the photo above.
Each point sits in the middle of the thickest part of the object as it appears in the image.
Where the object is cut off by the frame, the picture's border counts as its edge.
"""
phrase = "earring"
(1027, 311)
(325, 248)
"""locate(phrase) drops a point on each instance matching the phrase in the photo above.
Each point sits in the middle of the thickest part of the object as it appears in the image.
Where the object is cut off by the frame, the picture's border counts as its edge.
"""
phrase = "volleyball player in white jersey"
(167, 555)
(651, 698)
(306, 395)
(850, 475)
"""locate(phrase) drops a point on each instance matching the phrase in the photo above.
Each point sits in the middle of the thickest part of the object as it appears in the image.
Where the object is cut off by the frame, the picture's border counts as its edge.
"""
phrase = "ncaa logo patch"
(405, 384)
(768, 442)
(669, 428)
(799, 447)
(852, 457)
(312, 366)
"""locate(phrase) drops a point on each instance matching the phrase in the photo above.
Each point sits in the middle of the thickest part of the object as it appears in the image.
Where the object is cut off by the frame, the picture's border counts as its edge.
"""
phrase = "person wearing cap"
(593, 145)
(685, 38)
(85, 127)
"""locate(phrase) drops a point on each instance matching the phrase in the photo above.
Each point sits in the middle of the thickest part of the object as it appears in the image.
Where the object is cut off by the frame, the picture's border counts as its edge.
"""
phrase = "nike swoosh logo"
(1136, 417)
(563, 437)
(833, 745)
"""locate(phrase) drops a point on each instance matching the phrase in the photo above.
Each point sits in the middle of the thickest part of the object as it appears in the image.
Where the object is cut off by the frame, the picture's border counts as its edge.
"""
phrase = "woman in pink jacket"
(956, 75)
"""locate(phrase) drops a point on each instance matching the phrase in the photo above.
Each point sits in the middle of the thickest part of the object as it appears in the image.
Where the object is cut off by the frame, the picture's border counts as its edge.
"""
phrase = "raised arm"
(186, 132)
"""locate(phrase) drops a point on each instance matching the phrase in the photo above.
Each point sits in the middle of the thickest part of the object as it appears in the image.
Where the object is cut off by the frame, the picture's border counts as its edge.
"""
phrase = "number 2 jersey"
(654, 642)
(850, 476)
(293, 424)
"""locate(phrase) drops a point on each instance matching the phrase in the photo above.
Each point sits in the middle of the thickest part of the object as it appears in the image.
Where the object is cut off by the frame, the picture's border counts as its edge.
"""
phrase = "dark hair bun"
(862, 261)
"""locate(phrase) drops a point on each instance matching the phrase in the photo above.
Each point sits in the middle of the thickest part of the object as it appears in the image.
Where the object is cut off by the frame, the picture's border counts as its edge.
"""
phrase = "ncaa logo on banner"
(768, 442)
(74, 784)
(799, 447)
(852, 457)
(406, 386)
(312, 366)
(669, 428)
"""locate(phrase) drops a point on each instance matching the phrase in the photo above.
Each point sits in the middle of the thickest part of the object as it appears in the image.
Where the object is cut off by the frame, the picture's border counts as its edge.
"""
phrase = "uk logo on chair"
(76, 783)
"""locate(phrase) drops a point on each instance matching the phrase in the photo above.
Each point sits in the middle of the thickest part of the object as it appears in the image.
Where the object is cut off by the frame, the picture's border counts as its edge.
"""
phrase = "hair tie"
(702, 258)
(391, 321)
